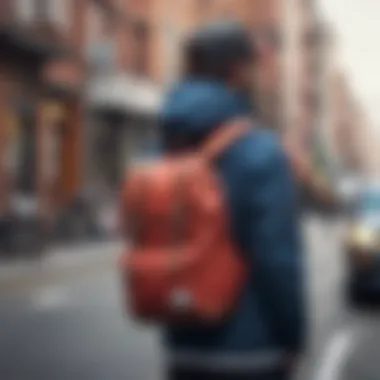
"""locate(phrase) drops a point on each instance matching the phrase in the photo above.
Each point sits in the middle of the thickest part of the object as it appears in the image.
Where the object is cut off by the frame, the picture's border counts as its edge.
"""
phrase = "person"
(265, 335)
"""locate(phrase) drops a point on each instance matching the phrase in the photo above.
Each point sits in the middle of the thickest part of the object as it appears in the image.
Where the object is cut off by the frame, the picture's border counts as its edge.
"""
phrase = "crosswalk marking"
(336, 354)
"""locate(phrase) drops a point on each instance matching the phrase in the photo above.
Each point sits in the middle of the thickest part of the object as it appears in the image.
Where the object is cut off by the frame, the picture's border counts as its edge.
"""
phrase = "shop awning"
(125, 93)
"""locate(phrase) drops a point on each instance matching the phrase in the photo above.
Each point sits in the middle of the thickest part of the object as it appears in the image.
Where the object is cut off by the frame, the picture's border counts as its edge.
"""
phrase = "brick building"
(75, 95)
(288, 90)
(346, 130)
(82, 80)
(173, 20)
(343, 126)
(122, 96)
(350, 133)
(41, 69)
(302, 69)
(285, 91)
(293, 94)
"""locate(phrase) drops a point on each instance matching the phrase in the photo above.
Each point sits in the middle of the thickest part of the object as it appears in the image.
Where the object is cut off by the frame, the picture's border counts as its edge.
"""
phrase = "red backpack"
(183, 265)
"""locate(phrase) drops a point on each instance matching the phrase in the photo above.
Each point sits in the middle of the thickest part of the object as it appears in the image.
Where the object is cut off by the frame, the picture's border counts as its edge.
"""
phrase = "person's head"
(222, 51)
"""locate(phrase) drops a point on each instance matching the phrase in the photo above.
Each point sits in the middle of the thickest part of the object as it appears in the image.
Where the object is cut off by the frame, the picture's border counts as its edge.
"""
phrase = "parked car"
(363, 250)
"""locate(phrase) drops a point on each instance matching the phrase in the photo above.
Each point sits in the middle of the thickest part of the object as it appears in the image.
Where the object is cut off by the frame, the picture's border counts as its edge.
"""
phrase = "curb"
(59, 267)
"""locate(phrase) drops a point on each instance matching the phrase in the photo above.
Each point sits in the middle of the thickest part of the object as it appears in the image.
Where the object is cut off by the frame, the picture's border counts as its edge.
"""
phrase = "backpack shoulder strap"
(224, 137)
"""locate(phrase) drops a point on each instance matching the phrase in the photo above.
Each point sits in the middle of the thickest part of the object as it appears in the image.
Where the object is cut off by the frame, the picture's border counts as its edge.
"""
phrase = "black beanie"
(214, 48)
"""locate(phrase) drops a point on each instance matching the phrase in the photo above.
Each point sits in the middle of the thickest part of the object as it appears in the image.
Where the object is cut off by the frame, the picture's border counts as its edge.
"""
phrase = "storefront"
(122, 128)
(40, 156)
(34, 162)
(19, 164)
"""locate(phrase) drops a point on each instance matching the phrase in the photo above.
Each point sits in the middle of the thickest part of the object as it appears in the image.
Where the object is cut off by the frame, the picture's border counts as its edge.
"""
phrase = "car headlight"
(362, 237)
(362, 245)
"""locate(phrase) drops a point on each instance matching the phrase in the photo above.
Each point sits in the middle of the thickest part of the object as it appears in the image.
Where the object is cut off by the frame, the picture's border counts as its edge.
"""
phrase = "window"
(311, 99)
(269, 37)
(172, 43)
(42, 9)
(312, 37)
(60, 11)
(204, 7)
(24, 9)
(141, 36)
(55, 11)
(108, 146)
(26, 170)
(101, 42)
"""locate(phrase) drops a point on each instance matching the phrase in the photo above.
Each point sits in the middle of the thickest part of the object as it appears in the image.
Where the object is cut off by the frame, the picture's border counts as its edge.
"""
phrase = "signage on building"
(129, 94)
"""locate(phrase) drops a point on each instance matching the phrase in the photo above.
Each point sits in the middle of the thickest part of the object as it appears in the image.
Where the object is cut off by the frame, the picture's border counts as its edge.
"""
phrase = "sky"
(357, 24)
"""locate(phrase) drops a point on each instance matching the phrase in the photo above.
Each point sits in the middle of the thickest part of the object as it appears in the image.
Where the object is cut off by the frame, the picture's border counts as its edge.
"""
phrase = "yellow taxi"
(362, 245)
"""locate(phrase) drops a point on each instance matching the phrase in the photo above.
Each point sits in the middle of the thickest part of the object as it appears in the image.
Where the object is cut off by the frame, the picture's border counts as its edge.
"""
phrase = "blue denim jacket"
(264, 221)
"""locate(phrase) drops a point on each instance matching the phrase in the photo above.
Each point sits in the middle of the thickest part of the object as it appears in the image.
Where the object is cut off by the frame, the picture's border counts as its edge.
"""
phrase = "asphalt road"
(344, 343)
(75, 328)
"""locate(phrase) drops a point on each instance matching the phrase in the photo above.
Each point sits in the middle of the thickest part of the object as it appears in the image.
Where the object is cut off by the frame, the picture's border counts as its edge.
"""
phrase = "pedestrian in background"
(264, 337)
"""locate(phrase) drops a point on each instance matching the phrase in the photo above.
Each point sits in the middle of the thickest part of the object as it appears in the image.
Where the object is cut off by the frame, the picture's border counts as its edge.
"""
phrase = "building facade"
(122, 97)
(41, 69)
(81, 82)
(294, 93)
(75, 91)
(290, 89)
(173, 21)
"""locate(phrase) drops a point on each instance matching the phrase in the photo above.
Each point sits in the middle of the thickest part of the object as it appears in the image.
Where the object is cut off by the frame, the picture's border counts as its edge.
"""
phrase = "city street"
(74, 328)
(91, 89)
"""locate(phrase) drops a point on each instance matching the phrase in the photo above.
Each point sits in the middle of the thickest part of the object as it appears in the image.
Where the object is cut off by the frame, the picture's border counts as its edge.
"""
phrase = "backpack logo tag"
(181, 299)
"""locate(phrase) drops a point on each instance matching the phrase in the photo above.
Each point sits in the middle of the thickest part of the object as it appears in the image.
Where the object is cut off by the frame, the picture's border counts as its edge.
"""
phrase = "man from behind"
(264, 336)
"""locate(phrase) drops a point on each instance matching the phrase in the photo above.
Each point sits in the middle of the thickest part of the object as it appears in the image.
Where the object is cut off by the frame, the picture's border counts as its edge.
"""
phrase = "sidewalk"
(61, 264)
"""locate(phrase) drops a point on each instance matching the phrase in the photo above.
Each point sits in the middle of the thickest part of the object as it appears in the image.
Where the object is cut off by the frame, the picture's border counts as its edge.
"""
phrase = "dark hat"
(220, 43)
